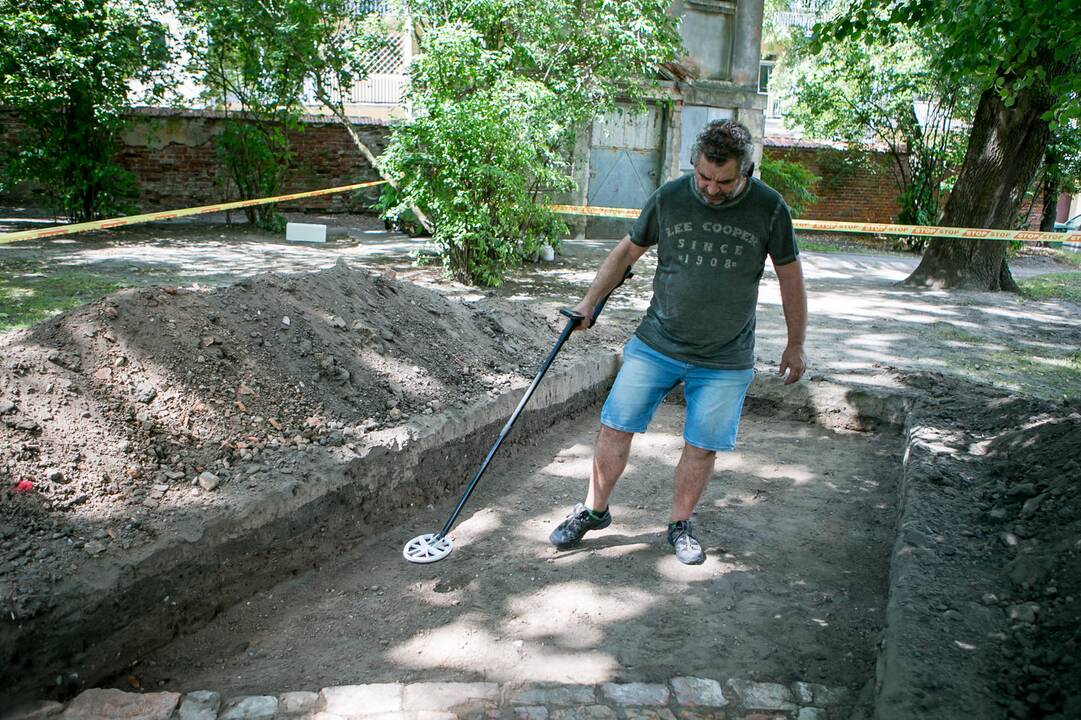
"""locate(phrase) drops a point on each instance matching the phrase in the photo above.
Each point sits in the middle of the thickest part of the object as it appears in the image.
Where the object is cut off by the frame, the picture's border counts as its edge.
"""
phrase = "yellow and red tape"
(928, 231)
(111, 223)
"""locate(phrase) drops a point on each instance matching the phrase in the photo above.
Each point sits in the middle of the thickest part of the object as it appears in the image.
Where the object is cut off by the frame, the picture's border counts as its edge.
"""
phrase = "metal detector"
(433, 547)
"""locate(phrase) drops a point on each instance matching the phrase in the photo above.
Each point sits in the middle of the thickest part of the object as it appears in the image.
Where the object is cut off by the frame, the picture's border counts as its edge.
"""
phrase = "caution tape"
(928, 231)
(171, 214)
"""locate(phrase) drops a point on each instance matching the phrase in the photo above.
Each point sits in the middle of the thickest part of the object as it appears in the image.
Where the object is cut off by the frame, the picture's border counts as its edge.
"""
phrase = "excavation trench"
(798, 525)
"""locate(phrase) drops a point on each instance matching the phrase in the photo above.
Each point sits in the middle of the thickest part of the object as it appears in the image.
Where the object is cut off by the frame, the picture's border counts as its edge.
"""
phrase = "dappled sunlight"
(671, 569)
(1031, 312)
(421, 381)
(466, 646)
(574, 614)
(482, 523)
(575, 462)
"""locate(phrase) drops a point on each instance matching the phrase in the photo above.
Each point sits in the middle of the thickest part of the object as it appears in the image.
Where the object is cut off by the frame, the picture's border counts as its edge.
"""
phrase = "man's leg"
(692, 473)
(609, 462)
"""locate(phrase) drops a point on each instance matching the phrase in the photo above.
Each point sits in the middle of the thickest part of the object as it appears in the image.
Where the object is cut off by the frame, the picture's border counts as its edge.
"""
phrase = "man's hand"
(794, 363)
(585, 309)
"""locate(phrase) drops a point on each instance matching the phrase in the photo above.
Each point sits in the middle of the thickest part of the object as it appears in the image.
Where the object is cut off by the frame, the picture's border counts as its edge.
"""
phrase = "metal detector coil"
(433, 547)
(428, 548)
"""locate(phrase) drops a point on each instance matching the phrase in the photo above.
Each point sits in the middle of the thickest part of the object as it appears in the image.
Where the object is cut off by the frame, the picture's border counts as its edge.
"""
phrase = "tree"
(1025, 60)
(66, 68)
(867, 94)
(245, 53)
(498, 90)
(263, 62)
(1061, 171)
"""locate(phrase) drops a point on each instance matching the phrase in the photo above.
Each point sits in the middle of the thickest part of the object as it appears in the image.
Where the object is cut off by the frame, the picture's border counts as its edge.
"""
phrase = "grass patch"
(822, 247)
(1048, 377)
(947, 331)
(1053, 286)
(29, 294)
(1067, 257)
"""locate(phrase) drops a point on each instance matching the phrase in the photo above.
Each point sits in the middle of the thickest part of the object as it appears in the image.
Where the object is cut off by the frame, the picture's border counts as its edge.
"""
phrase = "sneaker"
(688, 550)
(569, 532)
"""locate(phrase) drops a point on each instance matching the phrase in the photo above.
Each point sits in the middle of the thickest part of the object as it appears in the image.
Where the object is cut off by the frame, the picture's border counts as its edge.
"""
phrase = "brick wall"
(856, 192)
(864, 192)
(173, 156)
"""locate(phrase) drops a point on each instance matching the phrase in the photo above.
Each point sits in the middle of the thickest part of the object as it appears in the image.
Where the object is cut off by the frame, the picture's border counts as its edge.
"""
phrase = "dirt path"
(797, 526)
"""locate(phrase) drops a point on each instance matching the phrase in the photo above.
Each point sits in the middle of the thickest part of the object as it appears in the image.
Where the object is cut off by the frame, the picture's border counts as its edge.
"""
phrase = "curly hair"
(724, 140)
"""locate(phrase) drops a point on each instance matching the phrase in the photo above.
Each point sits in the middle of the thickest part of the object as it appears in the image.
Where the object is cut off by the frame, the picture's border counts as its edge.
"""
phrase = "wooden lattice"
(388, 60)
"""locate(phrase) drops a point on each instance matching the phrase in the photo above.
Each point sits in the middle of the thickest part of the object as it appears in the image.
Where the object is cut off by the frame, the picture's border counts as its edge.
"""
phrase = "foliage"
(1024, 60)
(65, 69)
(396, 216)
(499, 88)
(792, 180)
(869, 94)
(1007, 45)
(236, 52)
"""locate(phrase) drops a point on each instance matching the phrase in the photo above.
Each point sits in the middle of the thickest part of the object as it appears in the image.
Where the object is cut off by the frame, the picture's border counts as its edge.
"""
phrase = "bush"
(792, 180)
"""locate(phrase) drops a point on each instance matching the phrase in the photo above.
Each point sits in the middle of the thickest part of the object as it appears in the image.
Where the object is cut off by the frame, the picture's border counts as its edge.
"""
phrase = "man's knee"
(614, 438)
(693, 452)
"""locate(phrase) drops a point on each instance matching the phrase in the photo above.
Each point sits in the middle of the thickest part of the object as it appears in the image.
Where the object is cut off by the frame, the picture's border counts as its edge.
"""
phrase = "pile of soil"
(119, 416)
(995, 527)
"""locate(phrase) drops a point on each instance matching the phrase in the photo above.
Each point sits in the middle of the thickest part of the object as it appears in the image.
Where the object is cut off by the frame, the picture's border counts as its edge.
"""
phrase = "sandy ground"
(797, 526)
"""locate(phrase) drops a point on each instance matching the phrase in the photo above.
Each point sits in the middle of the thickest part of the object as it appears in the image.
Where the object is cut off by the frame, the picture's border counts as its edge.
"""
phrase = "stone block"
(635, 693)
(253, 707)
(98, 704)
(589, 712)
(39, 710)
(549, 695)
(530, 712)
(823, 695)
(297, 703)
(450, 696)
(812, 713)
(349, 700)
(762, 696)
(695, 691)
(200, 705)
(647, 713)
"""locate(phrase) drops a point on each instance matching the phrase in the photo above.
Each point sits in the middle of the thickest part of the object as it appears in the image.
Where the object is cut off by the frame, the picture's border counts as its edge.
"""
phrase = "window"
(764, 72)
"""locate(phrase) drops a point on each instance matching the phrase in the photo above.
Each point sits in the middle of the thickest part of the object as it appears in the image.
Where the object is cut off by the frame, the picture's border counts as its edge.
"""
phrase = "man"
(713, 230)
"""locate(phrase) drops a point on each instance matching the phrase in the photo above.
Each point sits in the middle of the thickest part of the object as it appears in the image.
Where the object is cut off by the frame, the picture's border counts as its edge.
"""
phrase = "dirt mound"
(997, 538)
(116, 416)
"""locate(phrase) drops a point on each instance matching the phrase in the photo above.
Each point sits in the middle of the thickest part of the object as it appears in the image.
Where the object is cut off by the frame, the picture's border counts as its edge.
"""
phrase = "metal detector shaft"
(573, 319)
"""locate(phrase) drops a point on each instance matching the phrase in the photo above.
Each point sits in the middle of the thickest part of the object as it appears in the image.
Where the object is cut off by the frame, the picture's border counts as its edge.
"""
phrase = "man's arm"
(608, 276)
(794, 302)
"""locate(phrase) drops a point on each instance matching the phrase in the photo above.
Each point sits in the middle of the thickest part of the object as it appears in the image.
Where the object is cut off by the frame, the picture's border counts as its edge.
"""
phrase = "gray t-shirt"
(709, 261)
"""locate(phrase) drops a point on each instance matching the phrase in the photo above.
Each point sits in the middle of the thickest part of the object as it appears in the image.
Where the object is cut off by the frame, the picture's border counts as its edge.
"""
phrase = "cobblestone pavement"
(689, 698)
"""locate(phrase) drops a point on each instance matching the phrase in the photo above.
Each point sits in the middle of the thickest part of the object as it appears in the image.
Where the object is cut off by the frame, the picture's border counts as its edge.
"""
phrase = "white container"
(305, 232)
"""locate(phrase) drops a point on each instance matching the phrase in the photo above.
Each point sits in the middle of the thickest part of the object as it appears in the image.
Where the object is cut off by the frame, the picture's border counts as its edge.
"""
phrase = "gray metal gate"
(624, 165)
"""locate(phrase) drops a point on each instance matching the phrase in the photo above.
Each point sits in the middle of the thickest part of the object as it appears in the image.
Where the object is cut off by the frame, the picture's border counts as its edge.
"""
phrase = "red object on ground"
(24, 486)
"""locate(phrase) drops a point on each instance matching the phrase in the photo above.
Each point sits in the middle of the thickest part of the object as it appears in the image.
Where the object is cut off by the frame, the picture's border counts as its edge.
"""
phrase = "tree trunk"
(1050, 204)
(1005, 148)
(342, 118)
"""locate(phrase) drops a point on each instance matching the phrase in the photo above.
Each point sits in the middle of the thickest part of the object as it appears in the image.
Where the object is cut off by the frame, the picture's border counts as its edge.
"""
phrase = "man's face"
(717, 183)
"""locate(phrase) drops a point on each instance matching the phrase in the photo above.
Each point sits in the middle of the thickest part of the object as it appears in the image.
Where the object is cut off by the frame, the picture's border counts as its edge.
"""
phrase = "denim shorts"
(714, 397)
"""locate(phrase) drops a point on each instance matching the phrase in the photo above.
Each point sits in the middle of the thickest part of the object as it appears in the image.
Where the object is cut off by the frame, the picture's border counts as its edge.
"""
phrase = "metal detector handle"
(572, 322)
(578, 317)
